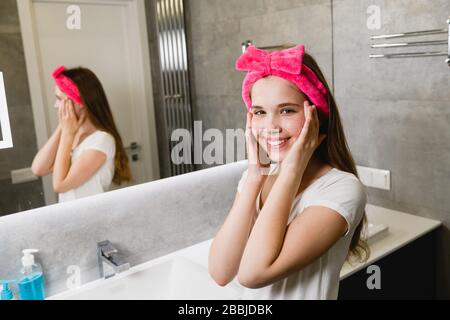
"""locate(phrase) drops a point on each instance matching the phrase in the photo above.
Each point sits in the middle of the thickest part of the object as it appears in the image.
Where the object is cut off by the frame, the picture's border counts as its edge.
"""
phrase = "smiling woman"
(291, 229)
(277, 123)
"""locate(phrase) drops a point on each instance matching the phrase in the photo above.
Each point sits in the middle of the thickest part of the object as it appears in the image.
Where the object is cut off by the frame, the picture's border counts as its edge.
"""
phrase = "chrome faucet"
(109, 262)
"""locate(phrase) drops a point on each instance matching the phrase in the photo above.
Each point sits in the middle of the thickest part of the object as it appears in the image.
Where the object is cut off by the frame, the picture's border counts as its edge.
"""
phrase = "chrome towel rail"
(409, 44)
(409, 34)
(413, 44)
(247, 43)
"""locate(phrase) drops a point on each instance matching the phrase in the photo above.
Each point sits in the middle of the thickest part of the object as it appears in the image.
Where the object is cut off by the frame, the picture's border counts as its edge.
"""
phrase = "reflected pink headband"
(286, 64)
(66, 85)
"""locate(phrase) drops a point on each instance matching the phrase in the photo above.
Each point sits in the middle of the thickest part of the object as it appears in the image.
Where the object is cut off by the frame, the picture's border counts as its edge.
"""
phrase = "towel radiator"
(174, 73)
(400, 44)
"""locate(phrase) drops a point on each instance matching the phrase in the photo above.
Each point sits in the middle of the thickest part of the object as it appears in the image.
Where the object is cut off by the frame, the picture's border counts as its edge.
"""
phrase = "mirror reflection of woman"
(85, 153)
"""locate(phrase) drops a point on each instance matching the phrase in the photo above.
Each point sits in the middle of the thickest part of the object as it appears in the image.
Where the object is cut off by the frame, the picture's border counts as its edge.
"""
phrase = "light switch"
(373, 177)
(22, 175)
(364, 175)
(381, 179)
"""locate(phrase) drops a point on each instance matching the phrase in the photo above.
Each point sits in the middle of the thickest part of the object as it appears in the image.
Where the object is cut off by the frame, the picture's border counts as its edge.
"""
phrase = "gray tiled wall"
(396, 113)
(12, 63)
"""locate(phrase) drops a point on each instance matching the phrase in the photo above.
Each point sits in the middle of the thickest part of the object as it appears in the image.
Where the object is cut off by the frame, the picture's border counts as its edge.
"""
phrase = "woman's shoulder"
(103, 134)
(341, 191)
(336, 174)
(100, 137)
(102, 141)
(340, 182)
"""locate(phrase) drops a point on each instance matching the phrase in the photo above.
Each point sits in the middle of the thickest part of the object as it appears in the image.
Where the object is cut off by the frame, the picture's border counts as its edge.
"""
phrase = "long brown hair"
(334, 150)
(99, 112)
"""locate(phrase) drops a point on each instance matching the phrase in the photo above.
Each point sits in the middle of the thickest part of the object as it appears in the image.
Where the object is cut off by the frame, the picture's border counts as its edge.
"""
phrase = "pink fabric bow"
(287, 64)
(66, 85)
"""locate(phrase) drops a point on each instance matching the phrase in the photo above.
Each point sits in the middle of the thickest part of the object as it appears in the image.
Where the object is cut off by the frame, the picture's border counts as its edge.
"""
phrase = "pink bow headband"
(66, 85)
(286, 64)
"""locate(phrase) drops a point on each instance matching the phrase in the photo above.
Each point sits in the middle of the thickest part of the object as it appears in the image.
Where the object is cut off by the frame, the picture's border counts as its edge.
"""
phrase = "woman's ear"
(79, 109)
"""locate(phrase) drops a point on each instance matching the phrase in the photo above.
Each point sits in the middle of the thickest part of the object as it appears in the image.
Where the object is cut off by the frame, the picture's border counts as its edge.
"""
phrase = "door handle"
(133, 149)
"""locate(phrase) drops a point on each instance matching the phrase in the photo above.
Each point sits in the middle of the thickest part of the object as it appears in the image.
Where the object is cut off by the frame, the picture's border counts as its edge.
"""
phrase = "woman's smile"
(276, 144)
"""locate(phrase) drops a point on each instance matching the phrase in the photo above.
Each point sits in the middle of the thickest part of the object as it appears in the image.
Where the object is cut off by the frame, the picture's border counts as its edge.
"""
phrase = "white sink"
(181, 275)
(173, 278)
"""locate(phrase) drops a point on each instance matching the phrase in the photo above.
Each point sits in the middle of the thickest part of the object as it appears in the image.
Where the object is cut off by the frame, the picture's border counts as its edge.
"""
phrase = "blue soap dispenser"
(31, 280)
(6, 291)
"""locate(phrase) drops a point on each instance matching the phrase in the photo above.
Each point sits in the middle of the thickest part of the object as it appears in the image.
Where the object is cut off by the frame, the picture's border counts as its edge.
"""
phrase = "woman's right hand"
(257, 171)
(68, 120)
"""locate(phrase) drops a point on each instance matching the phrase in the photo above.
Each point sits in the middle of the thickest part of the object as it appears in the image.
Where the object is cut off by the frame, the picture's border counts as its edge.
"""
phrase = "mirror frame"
(4, 118)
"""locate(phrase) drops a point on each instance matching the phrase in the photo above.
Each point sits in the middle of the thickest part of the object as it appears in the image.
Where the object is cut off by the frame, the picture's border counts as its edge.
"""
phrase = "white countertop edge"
(384, 246)
(195, 253)
(373, 259)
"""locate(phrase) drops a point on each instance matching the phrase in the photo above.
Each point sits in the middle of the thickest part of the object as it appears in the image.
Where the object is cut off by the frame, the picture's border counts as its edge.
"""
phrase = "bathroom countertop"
(403, 229)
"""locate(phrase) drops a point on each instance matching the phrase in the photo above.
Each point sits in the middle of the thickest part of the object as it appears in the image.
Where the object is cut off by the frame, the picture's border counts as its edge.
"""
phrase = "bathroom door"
(108, 37)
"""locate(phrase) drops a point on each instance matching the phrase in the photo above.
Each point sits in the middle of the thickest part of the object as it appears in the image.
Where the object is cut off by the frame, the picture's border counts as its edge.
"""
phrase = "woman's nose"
(272, 126)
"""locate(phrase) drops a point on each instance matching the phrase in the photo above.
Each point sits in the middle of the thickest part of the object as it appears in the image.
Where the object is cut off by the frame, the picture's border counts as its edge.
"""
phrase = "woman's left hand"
(306, 143)
(68, 119)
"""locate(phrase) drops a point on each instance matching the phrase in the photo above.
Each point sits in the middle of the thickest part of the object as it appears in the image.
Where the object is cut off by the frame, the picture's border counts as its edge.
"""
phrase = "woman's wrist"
(254, 182)
(255, 176)
(293, 170)
(58, 130)
(67, 134)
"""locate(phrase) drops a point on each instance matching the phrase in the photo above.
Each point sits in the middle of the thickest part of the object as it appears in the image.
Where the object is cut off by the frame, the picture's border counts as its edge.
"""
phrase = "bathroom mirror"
(121, 42)
(109, 38)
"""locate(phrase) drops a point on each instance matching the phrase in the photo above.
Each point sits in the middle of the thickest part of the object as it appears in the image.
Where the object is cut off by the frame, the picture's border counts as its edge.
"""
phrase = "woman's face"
(278, 115)
(61, 97)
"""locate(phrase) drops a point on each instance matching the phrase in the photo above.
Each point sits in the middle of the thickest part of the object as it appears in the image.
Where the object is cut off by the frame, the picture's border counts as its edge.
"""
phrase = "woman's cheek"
(256, 127)
(294, 127)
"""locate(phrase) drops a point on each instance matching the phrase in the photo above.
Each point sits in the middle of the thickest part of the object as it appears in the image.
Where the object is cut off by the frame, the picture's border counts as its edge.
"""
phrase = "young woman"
(85, 153)
(291, 229)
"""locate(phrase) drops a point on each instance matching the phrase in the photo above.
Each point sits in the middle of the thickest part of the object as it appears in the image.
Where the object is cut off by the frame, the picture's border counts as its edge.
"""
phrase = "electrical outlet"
(376, 178)
(364, 175)
(22, 175)
(381, 179)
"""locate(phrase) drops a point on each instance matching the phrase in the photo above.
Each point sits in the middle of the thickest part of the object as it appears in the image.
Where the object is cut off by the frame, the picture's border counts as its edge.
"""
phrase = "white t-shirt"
(101, 180)
(342, 192)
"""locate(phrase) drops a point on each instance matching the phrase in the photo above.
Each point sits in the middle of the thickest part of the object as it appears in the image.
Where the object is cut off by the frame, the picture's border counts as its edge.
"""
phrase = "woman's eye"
(258, 113)
(285, 111)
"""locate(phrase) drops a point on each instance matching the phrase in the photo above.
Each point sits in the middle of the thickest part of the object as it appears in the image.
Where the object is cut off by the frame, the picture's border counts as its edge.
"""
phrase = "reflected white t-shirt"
(101, 180)
(342, 192)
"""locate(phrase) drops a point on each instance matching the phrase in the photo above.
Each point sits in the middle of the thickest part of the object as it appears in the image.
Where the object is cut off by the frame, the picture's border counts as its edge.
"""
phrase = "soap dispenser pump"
(31, 281)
